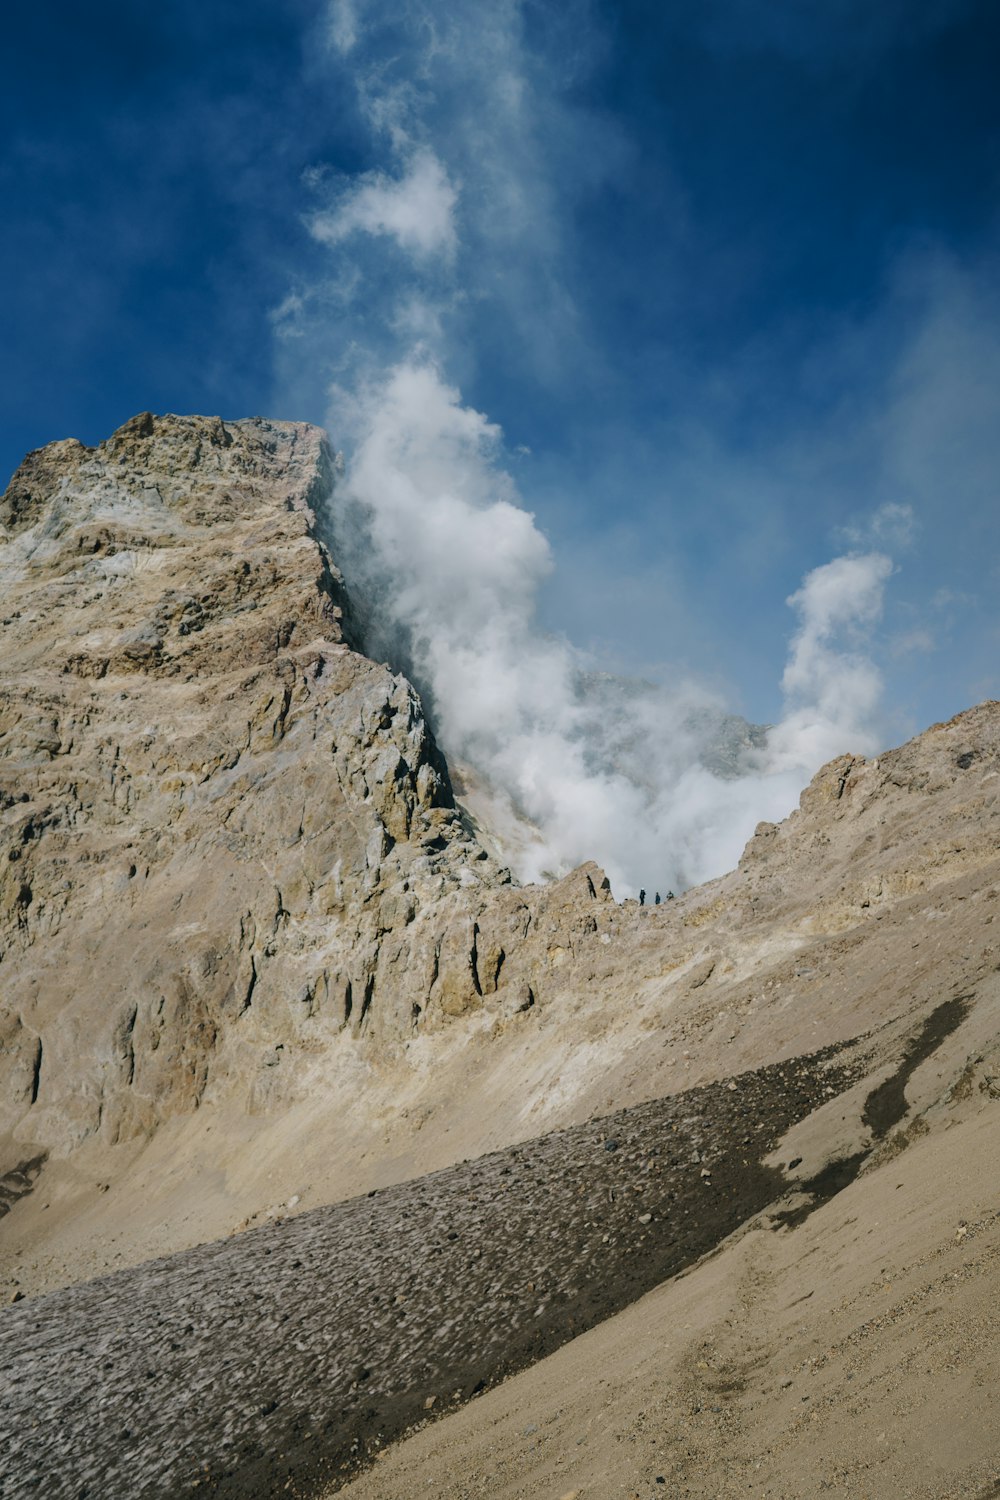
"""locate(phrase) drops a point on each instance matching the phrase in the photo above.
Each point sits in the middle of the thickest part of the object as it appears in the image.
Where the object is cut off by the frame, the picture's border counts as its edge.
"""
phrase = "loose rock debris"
(280, 1360)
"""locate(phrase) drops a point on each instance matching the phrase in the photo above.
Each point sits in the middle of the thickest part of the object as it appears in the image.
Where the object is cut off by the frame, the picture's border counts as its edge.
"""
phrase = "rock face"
(227, 838)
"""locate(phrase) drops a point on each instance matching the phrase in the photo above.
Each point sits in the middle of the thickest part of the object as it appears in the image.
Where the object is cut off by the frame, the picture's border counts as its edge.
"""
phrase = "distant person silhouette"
(656, 899)
(642, 898)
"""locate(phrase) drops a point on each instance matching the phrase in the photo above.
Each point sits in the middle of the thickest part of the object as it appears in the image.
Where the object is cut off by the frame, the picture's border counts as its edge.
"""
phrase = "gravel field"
(272, 1362)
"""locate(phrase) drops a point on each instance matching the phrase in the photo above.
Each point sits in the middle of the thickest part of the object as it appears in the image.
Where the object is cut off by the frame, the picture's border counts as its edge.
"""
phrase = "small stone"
(429, 1402)
(611, 1145)
(645, 1218)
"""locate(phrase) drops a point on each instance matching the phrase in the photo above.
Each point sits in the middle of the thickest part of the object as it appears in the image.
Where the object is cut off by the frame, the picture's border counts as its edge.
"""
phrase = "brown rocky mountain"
(254, 960)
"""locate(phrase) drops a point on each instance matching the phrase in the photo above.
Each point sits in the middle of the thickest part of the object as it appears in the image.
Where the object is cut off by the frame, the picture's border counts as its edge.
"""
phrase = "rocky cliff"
(228, 841)
(227, 836)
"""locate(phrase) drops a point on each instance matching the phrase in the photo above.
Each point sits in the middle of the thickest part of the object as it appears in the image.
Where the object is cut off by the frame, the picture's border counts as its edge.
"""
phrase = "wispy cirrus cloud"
(891, 524)
(342, 22)
(415, 208)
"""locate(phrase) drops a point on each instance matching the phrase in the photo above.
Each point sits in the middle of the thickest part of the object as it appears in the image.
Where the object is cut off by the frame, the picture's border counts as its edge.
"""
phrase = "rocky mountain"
(228, 837)
(255, 960)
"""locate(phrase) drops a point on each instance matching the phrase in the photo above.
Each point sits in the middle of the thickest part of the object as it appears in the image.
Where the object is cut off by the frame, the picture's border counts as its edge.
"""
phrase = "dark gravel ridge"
(277, 1361)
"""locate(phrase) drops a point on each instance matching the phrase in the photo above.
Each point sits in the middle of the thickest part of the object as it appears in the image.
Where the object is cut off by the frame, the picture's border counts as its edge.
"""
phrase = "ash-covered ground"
(277, 1361)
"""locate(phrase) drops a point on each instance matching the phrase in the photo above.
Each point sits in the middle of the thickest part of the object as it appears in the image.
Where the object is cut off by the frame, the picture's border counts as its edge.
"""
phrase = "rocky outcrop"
(227, 839)
(253, 950)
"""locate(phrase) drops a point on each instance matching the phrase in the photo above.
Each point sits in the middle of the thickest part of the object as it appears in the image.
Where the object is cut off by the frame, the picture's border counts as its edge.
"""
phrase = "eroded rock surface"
(226, 837)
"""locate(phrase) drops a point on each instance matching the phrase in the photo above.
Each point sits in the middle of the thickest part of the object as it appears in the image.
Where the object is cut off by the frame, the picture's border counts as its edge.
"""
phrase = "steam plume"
(479, 148)
(572, 765)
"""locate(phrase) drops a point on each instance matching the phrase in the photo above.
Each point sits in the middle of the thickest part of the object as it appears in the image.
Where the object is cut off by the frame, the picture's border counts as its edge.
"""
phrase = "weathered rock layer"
(226, 836)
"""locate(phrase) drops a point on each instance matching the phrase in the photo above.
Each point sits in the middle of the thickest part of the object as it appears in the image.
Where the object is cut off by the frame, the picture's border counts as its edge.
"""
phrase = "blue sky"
(724, 274)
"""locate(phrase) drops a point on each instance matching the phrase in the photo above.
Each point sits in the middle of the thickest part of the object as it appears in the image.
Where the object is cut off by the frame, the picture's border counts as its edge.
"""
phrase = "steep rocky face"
(226, 837)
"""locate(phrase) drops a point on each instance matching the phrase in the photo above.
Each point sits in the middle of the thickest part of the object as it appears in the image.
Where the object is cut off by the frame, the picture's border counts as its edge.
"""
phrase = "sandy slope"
(856, 1355)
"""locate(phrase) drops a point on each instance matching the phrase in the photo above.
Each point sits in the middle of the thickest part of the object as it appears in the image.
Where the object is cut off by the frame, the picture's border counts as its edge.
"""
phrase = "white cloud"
(892, 524)
(906, 642)
(429, 525)
(286, 318)
(845, 594)
(343, 26)
(895, 525)
(482, 146)
(416, 209)
(945, 600)
(831, 685)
